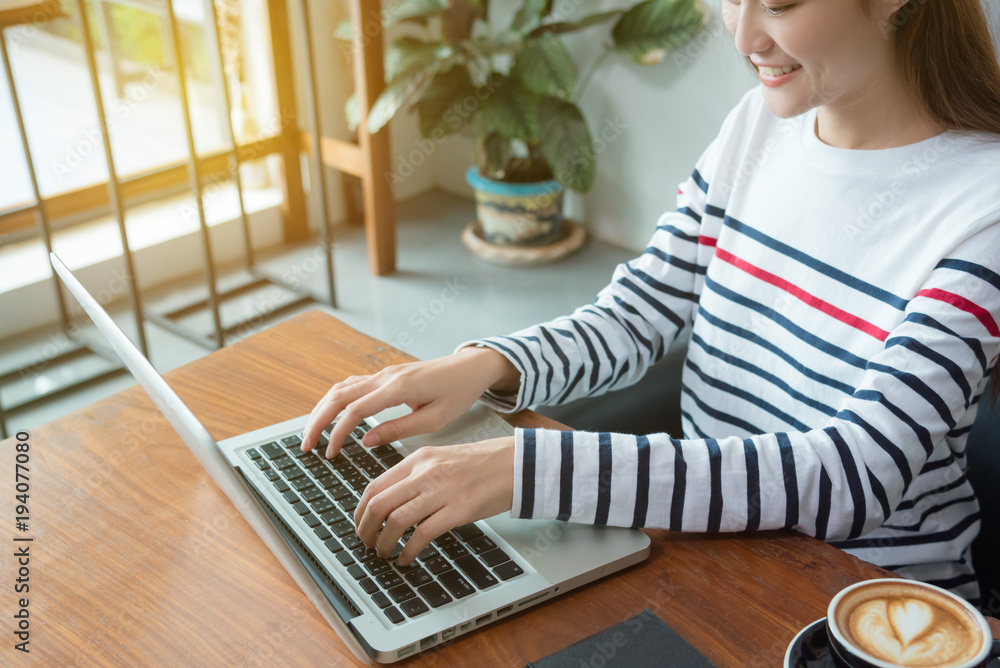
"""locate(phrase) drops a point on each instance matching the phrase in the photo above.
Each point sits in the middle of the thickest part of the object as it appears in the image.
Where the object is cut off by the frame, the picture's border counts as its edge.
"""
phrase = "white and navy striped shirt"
(844, 307)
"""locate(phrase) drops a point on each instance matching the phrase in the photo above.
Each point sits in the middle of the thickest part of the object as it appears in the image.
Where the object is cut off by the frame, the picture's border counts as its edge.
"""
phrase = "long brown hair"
(947, 59)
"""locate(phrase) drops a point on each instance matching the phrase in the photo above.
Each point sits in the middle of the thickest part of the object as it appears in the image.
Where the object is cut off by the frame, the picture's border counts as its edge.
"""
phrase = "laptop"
(301, 505)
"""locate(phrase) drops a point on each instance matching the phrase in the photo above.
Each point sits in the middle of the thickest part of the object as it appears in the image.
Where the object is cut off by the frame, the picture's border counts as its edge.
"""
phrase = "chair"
(984, 473)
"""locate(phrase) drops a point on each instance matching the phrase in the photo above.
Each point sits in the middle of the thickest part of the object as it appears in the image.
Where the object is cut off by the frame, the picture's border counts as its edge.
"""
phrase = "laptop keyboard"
(324, 493)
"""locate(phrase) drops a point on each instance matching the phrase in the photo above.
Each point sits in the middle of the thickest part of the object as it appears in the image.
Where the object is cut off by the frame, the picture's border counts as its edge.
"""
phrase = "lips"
(772, 76)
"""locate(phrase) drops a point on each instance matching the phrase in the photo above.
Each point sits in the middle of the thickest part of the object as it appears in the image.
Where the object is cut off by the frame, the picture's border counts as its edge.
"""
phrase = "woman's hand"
(439, 487)
(437, 391)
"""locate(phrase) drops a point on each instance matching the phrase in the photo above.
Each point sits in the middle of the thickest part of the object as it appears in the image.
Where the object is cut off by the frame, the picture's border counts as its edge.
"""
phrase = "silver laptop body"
(542, 558)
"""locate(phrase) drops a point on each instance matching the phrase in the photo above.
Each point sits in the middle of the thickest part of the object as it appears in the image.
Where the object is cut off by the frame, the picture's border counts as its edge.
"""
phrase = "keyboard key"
(272, 475)
(291, 441)
(428, 553)
(356, 572)
(339, 492)
(481, 544)
(252, 454)
(476, 571)
(345, 558)
(455, 550)
(353, 449)
(328, 481)
(313, 494)
(397, 550)
(401, 593)
(494, 557)
(434, 594)
(418, 577)
(342, 528)
(282, 463)
(351, 541)
(369, 586)
(467, 532)
(290, 496)
(365, 554)
(332, 517)
(414, 607)
(392, 459)
(333, 545)
(409, 568)
(311, 520)
(262, 465)
(389, 579)
(438, 566)
(321, 505)
(383, 451)
(444, 539)
(358, 483)
(272, 450)
(378, 566)
(456, 584)
(294, 472)
(507, 570)
(348, 504)
(301, 508)
(381, 600)
(394, 615)
(301, 484)
(303, 457)
(323, 533)
(282, 486)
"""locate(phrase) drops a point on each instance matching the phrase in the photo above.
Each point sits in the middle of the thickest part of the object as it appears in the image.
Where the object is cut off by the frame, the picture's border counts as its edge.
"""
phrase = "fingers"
(407, 515)
(380, 498)
(421, 421)
(357, 406)
(436, 524)
(332, 403)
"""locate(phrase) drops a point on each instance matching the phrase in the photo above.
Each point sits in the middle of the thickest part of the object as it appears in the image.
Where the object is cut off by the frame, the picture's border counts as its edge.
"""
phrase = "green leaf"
(529, 16)
(448, 103)
(407, 52)
(407, 10)
(545, 67)
(352, 112)
(406, 86)
(565, 143)
(657, 25)
(559, 27)
(510, 108)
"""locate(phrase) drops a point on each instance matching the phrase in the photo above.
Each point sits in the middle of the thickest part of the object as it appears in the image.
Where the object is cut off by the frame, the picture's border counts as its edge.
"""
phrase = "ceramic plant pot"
(517, 214)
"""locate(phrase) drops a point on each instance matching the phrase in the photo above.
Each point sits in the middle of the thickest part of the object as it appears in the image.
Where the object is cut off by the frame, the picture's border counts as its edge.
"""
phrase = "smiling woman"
(836, 255)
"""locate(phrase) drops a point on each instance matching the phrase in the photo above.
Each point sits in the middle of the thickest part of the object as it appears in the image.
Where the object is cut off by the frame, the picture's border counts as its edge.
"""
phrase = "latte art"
(908, 626)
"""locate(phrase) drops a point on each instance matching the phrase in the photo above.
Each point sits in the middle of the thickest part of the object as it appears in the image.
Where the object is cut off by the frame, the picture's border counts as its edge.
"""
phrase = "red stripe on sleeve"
(964, 304)
(707, 241)
(817, 303)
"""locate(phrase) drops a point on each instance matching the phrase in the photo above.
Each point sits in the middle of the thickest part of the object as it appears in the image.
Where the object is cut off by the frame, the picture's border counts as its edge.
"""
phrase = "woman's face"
(812, 53)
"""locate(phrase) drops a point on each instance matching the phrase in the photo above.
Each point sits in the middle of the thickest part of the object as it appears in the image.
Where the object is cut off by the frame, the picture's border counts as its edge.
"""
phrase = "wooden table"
(139, 559)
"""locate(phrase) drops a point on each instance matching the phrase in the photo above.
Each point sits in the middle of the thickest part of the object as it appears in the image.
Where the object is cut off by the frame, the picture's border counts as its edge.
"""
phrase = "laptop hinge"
(337, 597)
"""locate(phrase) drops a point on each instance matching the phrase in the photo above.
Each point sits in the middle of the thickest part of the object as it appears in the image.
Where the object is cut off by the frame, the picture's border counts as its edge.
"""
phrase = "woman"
(837, 253)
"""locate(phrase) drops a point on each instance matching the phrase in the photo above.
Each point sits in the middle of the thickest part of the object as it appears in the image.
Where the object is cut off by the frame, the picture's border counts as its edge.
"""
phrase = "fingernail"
(372, 439)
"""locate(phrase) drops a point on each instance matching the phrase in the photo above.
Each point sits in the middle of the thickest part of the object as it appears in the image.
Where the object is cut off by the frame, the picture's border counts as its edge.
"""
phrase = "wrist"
(496, 372)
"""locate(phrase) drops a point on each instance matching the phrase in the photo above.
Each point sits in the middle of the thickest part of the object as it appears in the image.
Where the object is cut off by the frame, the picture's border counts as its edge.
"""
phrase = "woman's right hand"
(437, 391)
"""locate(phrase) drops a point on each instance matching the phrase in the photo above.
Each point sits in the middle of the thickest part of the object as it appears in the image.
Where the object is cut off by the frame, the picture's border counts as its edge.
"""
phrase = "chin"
(784, 106)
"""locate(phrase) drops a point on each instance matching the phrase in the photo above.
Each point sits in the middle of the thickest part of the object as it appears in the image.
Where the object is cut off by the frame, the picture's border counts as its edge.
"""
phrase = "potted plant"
(515, 90)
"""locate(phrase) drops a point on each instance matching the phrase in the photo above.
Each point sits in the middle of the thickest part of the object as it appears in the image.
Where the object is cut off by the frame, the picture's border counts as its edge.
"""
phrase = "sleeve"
(837, 481)
(609, 344)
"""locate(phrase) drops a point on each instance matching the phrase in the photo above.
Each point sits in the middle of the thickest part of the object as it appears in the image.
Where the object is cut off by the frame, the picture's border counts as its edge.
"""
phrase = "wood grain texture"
(139, 559)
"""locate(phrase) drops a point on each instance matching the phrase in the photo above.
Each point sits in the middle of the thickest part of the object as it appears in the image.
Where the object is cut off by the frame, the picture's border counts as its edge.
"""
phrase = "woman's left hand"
(439, 487)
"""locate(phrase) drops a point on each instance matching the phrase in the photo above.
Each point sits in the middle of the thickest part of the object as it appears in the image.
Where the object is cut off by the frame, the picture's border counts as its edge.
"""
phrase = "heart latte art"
(906, 626)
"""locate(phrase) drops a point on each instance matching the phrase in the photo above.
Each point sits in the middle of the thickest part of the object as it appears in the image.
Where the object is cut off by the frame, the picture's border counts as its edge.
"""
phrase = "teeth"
(777, 71)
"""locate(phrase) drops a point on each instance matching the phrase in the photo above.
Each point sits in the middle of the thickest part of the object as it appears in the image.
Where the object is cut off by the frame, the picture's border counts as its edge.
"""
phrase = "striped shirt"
(844, 310)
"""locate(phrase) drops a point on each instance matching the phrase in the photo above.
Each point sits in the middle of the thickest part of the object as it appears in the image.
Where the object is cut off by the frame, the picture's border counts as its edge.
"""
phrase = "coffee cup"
(892, 623)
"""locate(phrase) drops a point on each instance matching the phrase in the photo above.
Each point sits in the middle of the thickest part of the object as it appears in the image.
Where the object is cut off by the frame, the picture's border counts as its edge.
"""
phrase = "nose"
(745, 24)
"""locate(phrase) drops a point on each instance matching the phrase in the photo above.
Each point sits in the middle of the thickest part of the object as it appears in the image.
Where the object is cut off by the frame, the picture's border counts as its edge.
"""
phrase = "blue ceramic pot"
(517, 214)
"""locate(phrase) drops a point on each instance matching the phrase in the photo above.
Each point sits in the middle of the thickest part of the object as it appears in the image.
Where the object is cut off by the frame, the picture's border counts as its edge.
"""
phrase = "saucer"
(811, 648)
